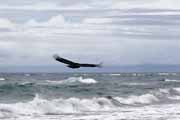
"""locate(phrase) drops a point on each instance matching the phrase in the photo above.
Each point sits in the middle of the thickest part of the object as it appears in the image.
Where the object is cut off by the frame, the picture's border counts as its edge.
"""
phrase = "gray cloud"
(88, 4)
(116, 37)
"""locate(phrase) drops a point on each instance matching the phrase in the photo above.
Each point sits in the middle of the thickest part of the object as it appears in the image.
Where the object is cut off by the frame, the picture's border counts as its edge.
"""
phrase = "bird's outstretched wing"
(74, 65)
(60, 59)
(91, 65)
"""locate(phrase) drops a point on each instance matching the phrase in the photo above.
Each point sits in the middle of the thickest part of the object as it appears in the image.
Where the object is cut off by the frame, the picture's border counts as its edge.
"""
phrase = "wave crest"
(74, 80)
(142, 99)
(78, 105)
(171, 80)
(56, 106)
(2, 79)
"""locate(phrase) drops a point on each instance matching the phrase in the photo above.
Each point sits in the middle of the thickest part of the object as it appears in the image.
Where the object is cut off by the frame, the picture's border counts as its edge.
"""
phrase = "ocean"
(90, 96)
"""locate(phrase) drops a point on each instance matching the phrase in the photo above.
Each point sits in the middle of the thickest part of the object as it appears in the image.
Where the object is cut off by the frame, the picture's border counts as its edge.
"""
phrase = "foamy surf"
(2, 79)
(40, 106)
(115, 74)
(56, 106)
(171, 80)
(96, 107)
(153, 97)
(43, 106)
(89, 97)
(74, 80)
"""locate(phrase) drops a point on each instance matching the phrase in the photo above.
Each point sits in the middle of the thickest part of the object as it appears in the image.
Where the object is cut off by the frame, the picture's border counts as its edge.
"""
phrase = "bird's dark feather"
(73, 65)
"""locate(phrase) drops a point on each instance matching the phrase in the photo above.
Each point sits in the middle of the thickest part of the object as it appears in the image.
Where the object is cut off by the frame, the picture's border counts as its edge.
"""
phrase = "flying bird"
(74, 65)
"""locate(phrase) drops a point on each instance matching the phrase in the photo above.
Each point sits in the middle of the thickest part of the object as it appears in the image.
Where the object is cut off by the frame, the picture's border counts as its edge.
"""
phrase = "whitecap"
(73, 80)
(142, 99)
(2, 79)
(26, 83)
(115, 74)
(27, 75)
(87, 80)
(171, 80)
(163, 74)
(135, 83)
(42, 106)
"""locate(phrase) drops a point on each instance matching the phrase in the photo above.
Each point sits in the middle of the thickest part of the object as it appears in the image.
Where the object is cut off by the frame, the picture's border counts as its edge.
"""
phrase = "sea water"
(90, 96)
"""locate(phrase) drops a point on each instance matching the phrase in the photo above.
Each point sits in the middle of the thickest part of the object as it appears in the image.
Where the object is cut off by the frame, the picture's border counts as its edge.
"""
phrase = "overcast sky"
(117, 32)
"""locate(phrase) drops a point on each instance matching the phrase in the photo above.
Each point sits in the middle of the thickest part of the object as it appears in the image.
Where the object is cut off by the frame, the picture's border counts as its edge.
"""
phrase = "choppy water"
(132, 96)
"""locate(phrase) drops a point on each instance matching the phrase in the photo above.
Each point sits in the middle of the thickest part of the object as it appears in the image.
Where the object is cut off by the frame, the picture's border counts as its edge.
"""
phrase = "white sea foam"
(115, 74)
(155, 112)
(26, 83)
(171, 80)
(87, 80)
(167, 74)
(138, 74)
(177, 89)
(143, 99)
(135, 83)
(169, 94)
(27, 75)
(74, 80)
(57, 106)
(163, 74)
(2, 79)
(76, 105)
(40, 106)
(158, 96)
(95, 108)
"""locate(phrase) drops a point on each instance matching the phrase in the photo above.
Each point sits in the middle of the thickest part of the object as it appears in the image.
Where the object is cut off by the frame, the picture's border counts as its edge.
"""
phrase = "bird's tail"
(100, 65)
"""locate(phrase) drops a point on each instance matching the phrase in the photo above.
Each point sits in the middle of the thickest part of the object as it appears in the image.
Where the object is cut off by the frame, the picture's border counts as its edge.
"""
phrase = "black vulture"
(74, 65)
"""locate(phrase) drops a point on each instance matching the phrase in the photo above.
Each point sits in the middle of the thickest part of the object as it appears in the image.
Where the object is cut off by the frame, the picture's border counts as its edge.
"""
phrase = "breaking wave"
(27, 74)
(167, 74)
(158, 96)
(71, 80)
(77, 105)
(2, 79)
(171, 80)
(133, 100)
(115, 74)
(74, 80)
(56, 106)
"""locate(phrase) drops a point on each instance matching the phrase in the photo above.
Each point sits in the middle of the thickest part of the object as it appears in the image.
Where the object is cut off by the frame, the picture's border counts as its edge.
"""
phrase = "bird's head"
(55, 56)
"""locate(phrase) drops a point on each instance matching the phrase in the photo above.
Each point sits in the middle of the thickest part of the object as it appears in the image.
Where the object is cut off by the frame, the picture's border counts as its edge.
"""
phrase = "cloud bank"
(115, 32)
(90, 4)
